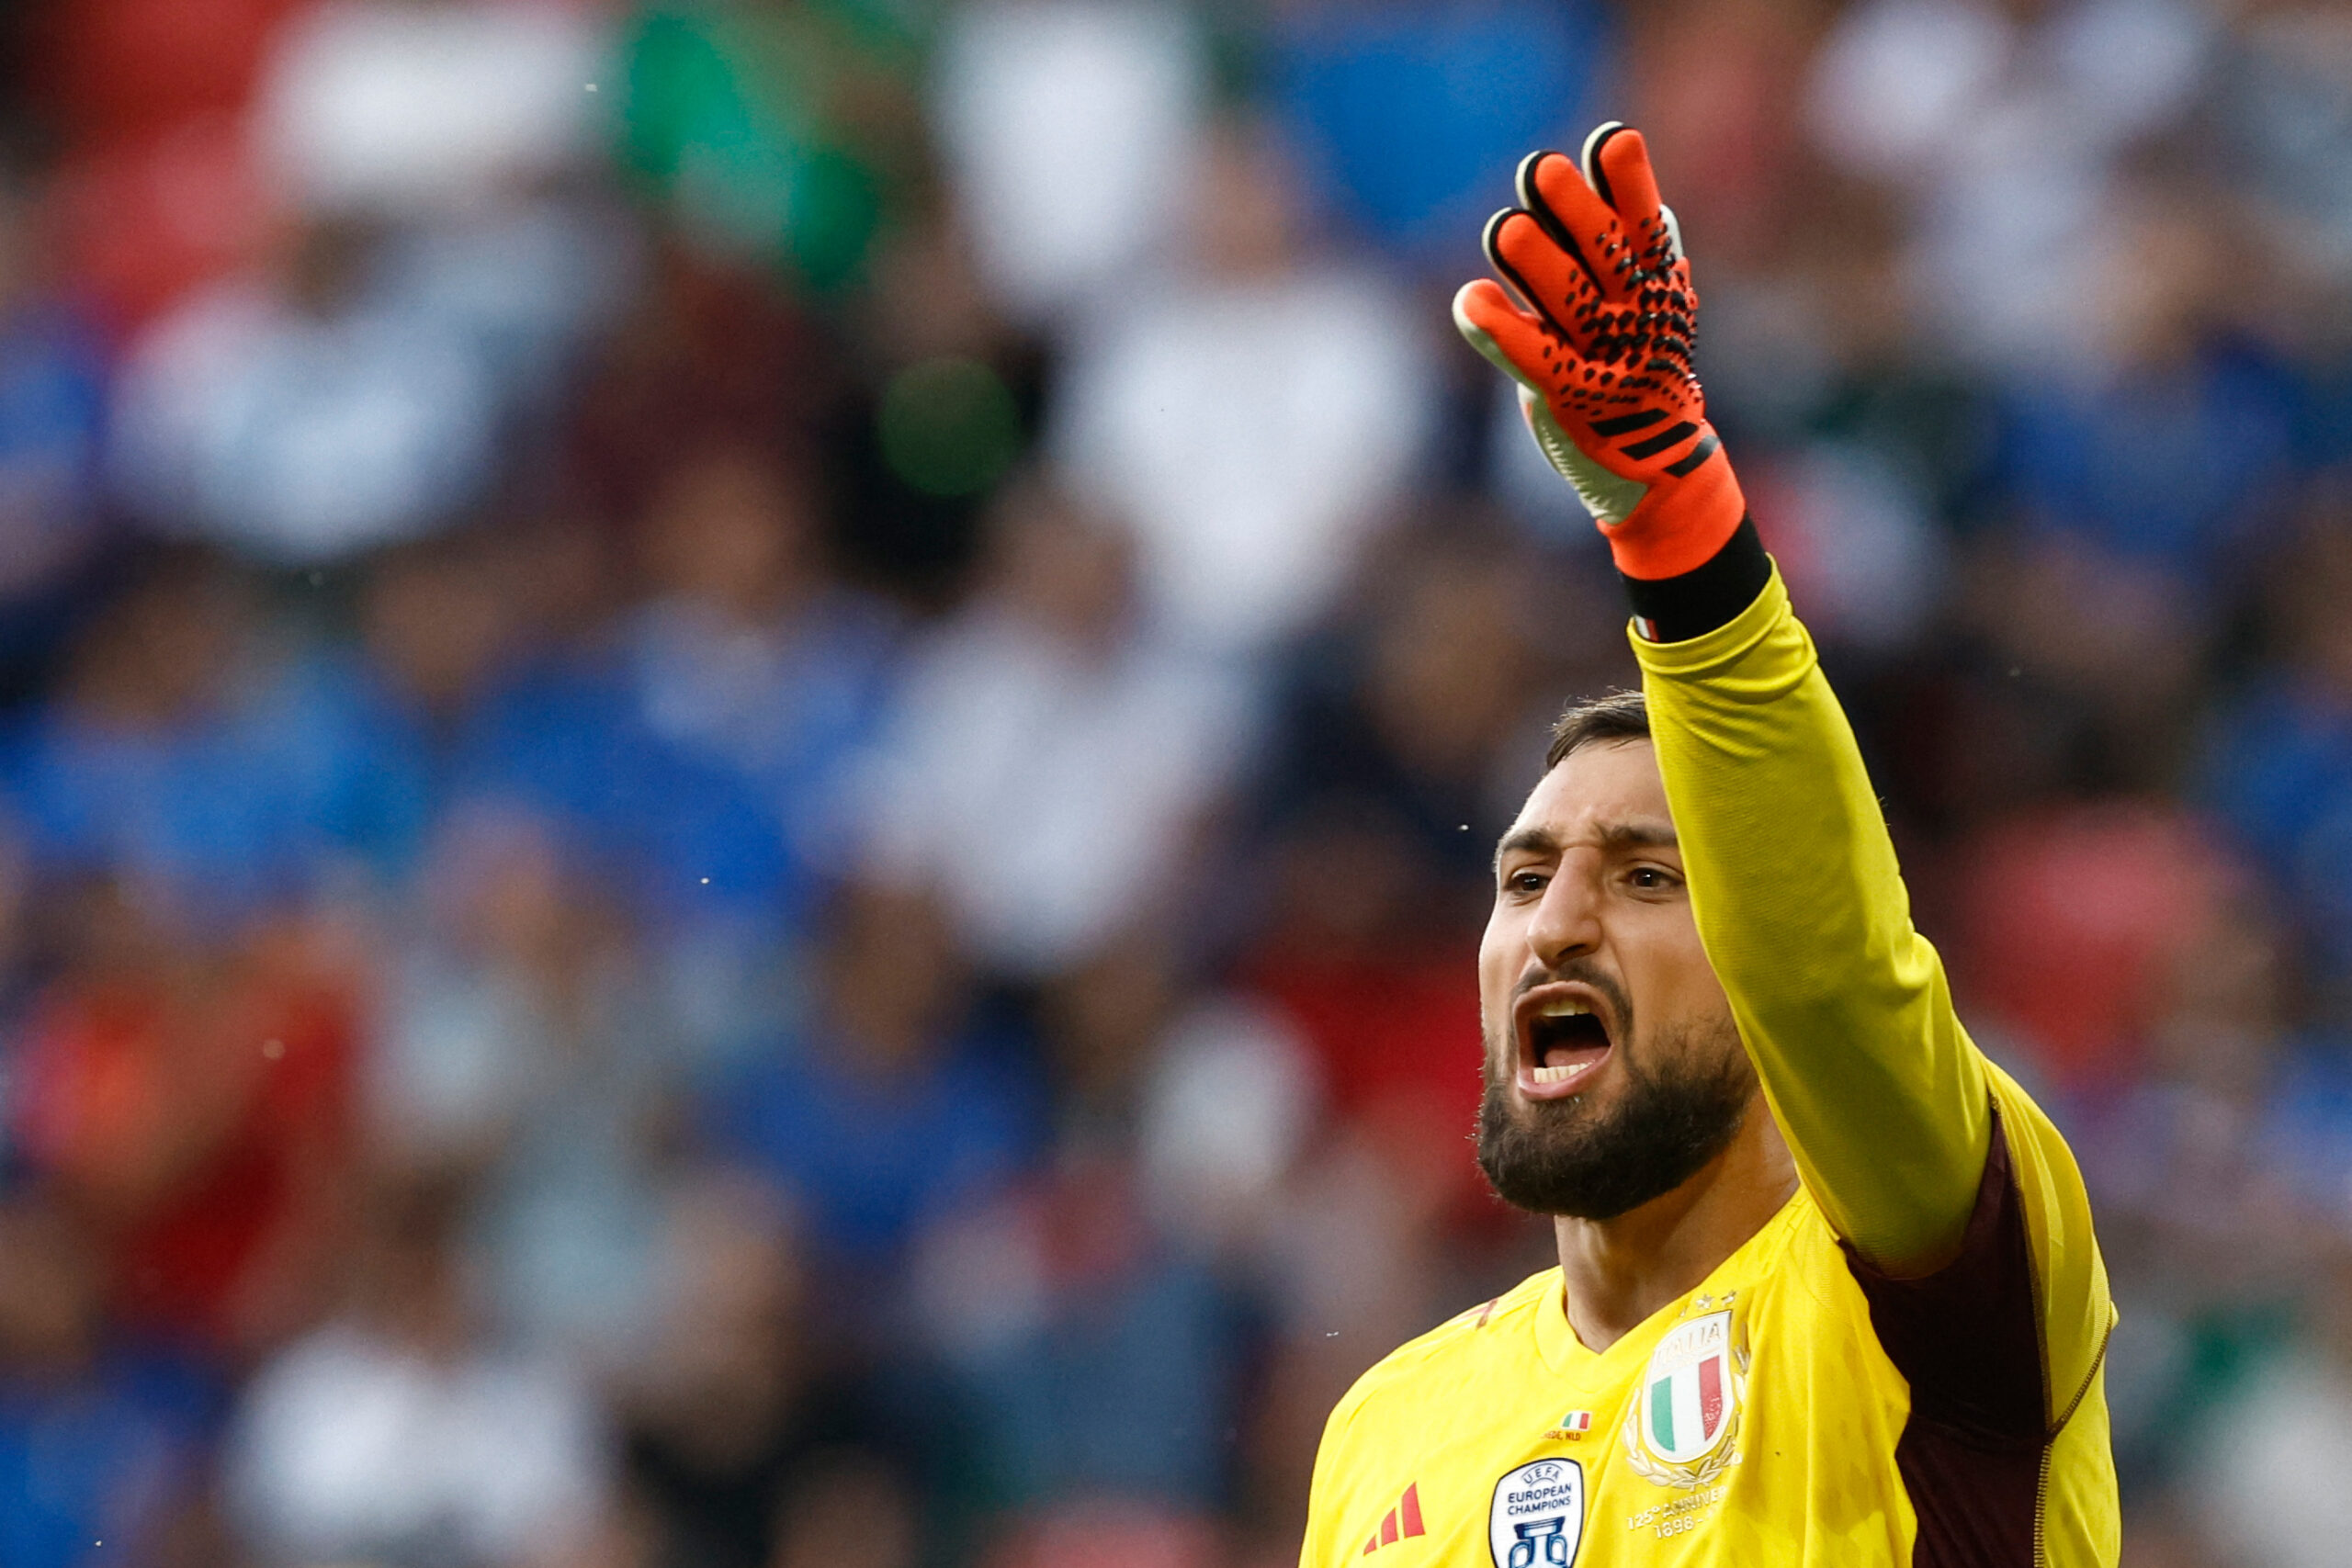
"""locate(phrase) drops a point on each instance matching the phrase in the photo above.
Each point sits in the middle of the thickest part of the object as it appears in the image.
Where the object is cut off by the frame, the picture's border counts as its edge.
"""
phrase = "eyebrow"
(1614, 838)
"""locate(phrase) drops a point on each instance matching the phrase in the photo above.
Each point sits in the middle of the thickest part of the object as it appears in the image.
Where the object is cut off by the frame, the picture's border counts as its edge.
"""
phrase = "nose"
(1567, 920)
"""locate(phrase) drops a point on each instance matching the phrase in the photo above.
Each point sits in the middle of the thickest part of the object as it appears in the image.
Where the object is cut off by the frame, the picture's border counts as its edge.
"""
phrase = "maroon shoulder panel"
(1969, 1340)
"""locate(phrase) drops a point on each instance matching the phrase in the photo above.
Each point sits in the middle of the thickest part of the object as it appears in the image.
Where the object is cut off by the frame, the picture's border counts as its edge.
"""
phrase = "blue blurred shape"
(1411, 117)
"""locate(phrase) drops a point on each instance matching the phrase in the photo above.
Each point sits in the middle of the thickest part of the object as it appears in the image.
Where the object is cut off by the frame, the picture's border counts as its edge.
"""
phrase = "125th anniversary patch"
(1537, 1516)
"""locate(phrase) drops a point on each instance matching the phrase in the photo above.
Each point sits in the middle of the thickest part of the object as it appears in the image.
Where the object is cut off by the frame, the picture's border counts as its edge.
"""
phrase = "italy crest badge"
(1683, 1430)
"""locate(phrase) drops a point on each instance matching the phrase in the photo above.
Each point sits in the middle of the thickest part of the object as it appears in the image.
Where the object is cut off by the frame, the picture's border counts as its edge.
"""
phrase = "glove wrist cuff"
(1676, 609)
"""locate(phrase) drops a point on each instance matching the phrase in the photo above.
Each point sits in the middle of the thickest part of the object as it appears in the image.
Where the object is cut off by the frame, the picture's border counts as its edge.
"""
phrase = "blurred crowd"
(748, 746)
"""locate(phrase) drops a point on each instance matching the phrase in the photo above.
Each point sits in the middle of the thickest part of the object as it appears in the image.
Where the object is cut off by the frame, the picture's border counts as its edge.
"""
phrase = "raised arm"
(1842, 1005)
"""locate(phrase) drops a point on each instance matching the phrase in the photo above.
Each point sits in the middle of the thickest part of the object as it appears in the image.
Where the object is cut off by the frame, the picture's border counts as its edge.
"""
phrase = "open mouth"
(1563, 1036)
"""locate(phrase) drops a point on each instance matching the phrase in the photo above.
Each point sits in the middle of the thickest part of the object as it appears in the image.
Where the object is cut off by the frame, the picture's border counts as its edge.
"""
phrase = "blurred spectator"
(2280, 80)
(1096, 1361)
(2279, 768)
(1426, 704)
(897, 1103)
(2109, 645)
(437, 625)
(519, 1044)
(700, 742)
(1252, 415)
(2071, 919)
(702, 354)
(2206, 1173)
(747, 1448)
(1717, 87)
(179, 755)
(1852, 532)
(1094, 1317)
(850, 1510)
(1066, 128)
(1229, 1106)
(1402, 758)
(99, 1438)
(117, 69)
(308, 416)
(158, 187)
(1047, 763)
(2004, 122)
(2174, 446)
(1357, 956)
(747, 655)
(196, 1104)
(393, 1433)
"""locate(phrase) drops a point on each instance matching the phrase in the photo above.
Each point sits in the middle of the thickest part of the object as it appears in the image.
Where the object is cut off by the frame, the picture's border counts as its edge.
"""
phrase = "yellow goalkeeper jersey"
(1809, 1402)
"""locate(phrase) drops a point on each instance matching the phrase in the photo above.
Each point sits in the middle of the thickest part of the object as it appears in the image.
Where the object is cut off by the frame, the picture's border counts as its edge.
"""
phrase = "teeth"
(1564, 1008)
(1555, 1074)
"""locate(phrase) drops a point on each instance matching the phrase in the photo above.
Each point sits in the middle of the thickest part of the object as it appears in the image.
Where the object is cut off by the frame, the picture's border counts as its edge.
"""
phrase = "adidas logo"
(1403, 1519)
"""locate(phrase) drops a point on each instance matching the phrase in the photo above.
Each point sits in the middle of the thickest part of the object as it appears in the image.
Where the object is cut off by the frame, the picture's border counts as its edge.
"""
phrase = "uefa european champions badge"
(1683, 1427)
(1538, 1514)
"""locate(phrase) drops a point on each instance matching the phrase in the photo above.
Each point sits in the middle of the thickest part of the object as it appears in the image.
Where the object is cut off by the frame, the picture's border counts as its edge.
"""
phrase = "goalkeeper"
(1827, 1289)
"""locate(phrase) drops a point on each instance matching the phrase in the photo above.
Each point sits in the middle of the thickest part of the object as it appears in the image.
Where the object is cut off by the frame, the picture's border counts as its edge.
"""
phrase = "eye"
(1524, 882)
(1651, 878)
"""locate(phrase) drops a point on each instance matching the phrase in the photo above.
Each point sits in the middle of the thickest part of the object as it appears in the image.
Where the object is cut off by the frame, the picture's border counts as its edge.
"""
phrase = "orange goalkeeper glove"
(1599, 340)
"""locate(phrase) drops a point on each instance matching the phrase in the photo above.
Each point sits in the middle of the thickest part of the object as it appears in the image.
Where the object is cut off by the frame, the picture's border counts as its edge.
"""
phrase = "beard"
(1679, 1109)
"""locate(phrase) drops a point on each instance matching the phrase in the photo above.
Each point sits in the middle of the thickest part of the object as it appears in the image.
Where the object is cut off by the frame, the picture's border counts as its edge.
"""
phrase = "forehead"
(1610, 782)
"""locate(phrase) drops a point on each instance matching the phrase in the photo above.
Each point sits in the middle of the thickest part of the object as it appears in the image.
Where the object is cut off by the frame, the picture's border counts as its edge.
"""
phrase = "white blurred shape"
(979, 1283)
(2008, 137)
(1898, 77)
(1230, 1103)
(1252, 433)
(2269, 1478)
(2129, 65)
(404, 111)
(1049, 787)
(1067, 126)
(349, 1448)
(299, 438)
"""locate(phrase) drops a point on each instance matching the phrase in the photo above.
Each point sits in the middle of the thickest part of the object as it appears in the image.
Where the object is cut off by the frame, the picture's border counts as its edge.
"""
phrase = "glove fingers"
(1576, 218)
(1617, 166)
(1514, 340)
(1617, 163)
(1546, 278)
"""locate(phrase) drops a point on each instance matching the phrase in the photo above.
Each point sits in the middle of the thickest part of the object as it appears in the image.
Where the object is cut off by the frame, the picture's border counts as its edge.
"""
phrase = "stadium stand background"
(748, 744)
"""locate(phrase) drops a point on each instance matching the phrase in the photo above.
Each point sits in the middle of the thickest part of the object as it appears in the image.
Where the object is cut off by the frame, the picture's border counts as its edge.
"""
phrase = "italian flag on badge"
(1688, 1394)
(1576, 1421)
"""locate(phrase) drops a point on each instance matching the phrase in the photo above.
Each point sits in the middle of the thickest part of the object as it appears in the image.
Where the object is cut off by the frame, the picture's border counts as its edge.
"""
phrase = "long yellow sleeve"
(1844, 1007)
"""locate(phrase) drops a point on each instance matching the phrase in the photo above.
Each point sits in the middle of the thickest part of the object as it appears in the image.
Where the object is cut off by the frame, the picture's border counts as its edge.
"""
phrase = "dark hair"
(1615, 716)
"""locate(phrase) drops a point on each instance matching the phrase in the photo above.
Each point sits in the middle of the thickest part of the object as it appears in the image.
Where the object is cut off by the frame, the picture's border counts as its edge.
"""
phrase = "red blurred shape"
(1395, 1038)
(2070, 921)
(142, 221)
(122, 70)
(202, 1118)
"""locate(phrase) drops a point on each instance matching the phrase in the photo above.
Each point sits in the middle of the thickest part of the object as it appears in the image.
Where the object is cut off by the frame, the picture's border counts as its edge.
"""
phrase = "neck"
(1618, 1273)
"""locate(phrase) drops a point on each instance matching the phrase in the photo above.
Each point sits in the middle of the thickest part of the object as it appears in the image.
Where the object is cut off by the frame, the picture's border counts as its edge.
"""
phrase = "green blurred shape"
(948, 426)
(774, 131)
